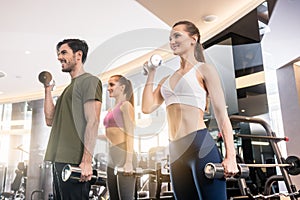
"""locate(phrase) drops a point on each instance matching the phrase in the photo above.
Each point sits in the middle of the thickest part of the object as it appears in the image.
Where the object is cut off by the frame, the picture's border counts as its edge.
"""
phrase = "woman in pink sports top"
(119, 129)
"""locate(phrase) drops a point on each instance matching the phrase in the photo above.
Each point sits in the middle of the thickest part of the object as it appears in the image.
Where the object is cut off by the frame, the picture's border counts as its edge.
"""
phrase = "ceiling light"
(27, 52)
(2, 74)
(209, 18)
(1, 92)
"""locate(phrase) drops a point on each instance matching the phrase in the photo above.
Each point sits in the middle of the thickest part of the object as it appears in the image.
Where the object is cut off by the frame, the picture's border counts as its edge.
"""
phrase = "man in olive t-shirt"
(74, 120)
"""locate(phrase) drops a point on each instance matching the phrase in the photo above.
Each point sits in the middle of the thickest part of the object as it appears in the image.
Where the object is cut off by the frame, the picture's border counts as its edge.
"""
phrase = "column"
(288, 78)
(39, 182)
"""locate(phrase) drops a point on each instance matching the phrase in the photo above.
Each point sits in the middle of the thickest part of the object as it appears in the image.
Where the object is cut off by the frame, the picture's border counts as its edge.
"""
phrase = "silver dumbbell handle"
(74, 173)
(137, 172)
(216, 170)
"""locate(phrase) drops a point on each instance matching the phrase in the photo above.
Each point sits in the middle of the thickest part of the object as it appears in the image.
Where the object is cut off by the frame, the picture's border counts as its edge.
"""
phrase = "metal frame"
(287, 180)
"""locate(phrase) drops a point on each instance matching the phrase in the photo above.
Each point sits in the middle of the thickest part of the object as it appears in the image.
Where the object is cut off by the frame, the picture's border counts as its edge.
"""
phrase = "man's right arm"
(49, 107)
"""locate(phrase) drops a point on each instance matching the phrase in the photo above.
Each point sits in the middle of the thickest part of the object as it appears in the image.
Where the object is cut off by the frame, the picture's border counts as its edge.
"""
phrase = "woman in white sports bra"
(184, 92)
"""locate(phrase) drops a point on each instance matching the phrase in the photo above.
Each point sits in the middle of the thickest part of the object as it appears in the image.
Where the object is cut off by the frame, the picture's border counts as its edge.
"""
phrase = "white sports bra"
(186, 91)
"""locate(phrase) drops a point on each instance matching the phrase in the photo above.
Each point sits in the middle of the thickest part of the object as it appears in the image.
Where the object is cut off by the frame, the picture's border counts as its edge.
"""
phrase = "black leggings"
(119, 187)
(188, 157)
(69, 190)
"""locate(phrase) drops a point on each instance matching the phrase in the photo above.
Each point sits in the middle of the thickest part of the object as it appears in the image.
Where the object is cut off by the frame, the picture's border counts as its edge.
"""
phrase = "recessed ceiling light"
(2, 74)
(1, 92)
(27, 52)
(209, 18)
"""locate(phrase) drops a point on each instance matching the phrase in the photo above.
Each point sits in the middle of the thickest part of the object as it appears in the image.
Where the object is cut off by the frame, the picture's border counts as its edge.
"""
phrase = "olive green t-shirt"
(66, 142)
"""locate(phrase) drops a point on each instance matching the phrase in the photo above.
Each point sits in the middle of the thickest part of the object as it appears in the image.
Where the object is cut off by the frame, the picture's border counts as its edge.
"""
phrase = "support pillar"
(39, 181)
(288, 81)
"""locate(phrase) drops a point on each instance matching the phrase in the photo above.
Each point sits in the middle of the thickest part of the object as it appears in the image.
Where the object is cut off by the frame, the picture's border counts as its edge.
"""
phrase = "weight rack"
(291, 188)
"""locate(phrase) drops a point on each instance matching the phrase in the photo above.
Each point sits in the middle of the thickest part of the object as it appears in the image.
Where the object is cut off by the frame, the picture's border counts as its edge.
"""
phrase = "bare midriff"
(184, 119)
(115, 135)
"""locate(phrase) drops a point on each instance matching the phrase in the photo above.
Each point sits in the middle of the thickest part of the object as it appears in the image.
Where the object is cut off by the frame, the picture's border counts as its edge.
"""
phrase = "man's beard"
(70, 66)
(66, 70)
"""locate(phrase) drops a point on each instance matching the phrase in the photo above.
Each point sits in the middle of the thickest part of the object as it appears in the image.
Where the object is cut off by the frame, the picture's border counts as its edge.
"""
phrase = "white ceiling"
(31, 29)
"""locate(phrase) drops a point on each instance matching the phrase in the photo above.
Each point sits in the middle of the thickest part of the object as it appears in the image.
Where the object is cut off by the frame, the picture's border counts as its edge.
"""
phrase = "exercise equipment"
(74, 173)
(271, 196)
(216, 170)
(285, 171)
(154, 62)
(294, 163)
(137, 172)
(262, 137)
(45, 78)
(18, 186)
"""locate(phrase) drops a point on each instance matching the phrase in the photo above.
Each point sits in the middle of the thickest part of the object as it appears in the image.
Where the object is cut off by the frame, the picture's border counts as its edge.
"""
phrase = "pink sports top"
(186, 91)
(114, 118)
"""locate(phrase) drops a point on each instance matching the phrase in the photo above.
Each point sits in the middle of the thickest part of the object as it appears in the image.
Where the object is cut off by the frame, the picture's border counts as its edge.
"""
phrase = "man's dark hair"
(75, 45)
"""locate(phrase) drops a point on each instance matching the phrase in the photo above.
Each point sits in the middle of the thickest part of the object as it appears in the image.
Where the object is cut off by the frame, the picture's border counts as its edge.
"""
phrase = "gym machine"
(288, 166)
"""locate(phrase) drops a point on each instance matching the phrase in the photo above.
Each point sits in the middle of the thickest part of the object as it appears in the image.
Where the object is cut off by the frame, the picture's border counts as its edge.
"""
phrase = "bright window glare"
(4, 147)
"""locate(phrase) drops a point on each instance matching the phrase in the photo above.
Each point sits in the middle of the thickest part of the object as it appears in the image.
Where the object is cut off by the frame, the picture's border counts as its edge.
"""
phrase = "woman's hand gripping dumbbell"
(216, 170)
(154, 62)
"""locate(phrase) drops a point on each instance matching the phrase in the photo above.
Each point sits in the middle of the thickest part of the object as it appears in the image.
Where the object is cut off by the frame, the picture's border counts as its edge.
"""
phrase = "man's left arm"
(92, 115)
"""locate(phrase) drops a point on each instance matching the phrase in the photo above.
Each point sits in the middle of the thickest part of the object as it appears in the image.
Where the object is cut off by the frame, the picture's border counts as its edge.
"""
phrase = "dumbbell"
(74, 173)
(216, 170)
(137, 172)
(154, 62)
(45, 78)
